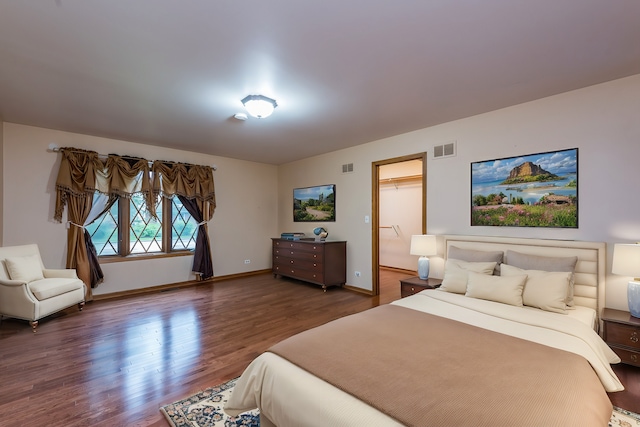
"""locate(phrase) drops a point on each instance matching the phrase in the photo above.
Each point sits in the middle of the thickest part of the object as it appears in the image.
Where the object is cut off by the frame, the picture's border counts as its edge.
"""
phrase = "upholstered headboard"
(589, 272)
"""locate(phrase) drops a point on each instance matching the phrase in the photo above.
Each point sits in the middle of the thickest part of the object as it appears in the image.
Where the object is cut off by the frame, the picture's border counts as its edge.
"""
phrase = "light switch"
(366, 219)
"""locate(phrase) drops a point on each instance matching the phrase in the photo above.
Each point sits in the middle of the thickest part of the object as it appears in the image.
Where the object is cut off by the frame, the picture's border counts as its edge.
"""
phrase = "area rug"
(204, 409)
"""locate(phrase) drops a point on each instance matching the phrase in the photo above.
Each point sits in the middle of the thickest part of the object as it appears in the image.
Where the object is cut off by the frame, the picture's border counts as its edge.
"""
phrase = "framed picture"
(314, 204)
(535, 190)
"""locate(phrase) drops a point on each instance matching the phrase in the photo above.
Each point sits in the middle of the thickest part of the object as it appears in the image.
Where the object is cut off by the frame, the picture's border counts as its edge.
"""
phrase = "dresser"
(622, 333)
(320, 262)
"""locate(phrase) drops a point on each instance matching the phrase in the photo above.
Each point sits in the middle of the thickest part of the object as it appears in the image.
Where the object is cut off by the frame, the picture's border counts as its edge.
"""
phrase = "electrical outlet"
(357, 274)
(247, 261)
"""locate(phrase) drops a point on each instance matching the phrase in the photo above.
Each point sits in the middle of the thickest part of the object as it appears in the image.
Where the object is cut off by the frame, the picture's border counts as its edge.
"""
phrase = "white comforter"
(274, 385)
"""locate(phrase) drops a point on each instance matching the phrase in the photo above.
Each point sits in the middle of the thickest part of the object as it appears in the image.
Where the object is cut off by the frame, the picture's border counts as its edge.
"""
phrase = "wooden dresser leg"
(34, 325)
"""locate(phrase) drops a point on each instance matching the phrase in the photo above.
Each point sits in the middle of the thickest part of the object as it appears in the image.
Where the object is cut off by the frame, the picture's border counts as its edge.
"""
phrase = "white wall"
(602, 121)
(400, 203)
(246, 194)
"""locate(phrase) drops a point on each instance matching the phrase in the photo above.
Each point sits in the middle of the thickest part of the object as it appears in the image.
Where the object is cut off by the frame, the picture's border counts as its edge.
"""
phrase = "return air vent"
(444, 150)
(347, 168)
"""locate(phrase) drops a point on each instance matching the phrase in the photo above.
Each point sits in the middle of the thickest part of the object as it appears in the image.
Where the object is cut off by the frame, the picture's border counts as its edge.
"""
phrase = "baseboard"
(178, 285)
(358, 290)
(399, 270)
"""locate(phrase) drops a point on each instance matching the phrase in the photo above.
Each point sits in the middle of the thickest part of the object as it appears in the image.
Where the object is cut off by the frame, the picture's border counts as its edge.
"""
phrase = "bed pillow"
(456, 274)
(504, 289)
(24, 268)
(546, 290)
(471, 255)
(544, 263)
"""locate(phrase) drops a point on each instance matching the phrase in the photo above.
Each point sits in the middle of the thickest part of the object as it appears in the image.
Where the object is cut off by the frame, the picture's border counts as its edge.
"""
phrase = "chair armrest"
(66, 273)
(12, 282)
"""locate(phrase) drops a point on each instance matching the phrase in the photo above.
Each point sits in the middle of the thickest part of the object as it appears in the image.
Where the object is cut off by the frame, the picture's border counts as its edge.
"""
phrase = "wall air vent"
(347, 168)
(444, 150)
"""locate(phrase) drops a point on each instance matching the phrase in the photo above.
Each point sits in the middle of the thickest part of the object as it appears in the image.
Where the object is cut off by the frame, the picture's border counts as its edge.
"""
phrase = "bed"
(509, 339)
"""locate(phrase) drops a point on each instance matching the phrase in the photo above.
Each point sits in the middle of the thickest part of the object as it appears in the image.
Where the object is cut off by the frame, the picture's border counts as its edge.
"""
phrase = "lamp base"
(633, 297)
(423, 267)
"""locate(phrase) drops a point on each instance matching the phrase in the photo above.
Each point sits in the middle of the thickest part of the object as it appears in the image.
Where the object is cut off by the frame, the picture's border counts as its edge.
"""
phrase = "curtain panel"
(83, 173)
(193, 185)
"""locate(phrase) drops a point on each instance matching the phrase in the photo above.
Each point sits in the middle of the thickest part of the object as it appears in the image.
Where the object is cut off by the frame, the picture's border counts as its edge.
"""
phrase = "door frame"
(375, 210)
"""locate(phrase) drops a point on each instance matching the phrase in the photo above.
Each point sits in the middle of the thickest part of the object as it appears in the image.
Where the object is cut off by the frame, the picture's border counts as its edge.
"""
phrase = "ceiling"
(344, 72)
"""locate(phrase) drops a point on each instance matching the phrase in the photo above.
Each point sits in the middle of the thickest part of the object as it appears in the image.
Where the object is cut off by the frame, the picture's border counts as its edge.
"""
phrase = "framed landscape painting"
(314, 204)
(535, 190)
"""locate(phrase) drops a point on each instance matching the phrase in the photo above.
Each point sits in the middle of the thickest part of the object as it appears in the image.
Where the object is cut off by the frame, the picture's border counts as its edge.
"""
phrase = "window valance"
(83, 172)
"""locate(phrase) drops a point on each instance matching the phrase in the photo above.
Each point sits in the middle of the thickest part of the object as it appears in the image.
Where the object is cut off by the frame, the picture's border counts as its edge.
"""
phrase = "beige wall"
(255, 200)
(602, 121)
(246, 195)
(1, 178)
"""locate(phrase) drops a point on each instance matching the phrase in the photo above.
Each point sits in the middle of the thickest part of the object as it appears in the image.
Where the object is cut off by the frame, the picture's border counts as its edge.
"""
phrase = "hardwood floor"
(118, 361)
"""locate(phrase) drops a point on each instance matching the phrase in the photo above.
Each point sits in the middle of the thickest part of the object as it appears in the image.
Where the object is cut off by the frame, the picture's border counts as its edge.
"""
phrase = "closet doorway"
(399, 210)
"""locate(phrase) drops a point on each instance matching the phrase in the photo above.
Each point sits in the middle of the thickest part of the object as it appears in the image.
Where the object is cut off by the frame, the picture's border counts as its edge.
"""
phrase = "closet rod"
(55, 149)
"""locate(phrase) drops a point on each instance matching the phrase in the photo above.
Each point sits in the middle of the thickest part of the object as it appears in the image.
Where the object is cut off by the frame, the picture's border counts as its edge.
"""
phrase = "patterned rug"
(204, 409)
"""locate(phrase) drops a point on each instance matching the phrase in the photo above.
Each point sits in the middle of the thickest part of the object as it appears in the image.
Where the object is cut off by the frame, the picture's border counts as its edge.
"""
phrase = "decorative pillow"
(24, 268)
(544, 289)
(456, 274)
(504, 289)
(471, 255)
(544, 263)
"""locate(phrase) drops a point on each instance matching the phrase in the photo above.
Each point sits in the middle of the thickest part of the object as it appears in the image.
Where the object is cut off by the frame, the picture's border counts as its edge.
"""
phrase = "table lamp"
(626, 262)
(423, 245)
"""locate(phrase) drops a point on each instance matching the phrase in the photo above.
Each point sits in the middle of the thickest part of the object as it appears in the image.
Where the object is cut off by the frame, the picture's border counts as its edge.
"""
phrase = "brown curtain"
(194, 186)
(82, 173)
(75, 186)
(202, 263)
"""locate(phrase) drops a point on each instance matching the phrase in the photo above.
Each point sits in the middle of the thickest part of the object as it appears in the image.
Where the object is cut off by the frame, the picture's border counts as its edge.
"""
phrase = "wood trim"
(177, 285)
(138, 257)
(358, 290)
(375, 220)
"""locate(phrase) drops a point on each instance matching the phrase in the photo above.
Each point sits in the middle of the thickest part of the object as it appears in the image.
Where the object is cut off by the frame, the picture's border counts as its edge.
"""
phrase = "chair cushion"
(48, 288)
(24, 268)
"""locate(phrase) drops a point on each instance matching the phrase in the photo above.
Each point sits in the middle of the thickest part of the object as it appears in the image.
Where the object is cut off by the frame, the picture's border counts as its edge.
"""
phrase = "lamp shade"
(259, 106)
(423, 244)
(626, 260)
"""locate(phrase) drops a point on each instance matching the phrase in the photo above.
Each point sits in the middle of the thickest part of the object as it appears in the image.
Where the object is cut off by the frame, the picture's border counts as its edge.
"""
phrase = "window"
(128, 229)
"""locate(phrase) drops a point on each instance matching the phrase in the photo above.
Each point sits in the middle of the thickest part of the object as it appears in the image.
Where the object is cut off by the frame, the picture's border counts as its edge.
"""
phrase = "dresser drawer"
(298, 254)
(301, 264)
(624, 335)
(297, 246)
(299, 273)
(627, 356)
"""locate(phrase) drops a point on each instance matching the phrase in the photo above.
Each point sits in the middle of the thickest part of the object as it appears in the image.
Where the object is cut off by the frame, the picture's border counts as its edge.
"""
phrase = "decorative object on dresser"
(423, 245)
(321, 233)
(323, 263)
(413, 285)
(626, 262)
(622, 333)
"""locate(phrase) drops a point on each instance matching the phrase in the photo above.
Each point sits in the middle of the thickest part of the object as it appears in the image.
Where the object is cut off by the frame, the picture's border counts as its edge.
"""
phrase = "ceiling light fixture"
(259, 106)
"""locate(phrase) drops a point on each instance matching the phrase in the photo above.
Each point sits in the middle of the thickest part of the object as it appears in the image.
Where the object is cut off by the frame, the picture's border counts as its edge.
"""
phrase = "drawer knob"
(634, 358)
(634, 337)
(413, 289)
(291, 261)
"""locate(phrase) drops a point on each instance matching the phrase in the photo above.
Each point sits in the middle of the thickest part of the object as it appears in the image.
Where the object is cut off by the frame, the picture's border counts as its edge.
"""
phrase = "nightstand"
(622, 333)
(413, 285)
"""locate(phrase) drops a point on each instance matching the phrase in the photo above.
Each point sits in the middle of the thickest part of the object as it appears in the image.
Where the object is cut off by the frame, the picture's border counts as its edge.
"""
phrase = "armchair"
(30, 291)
